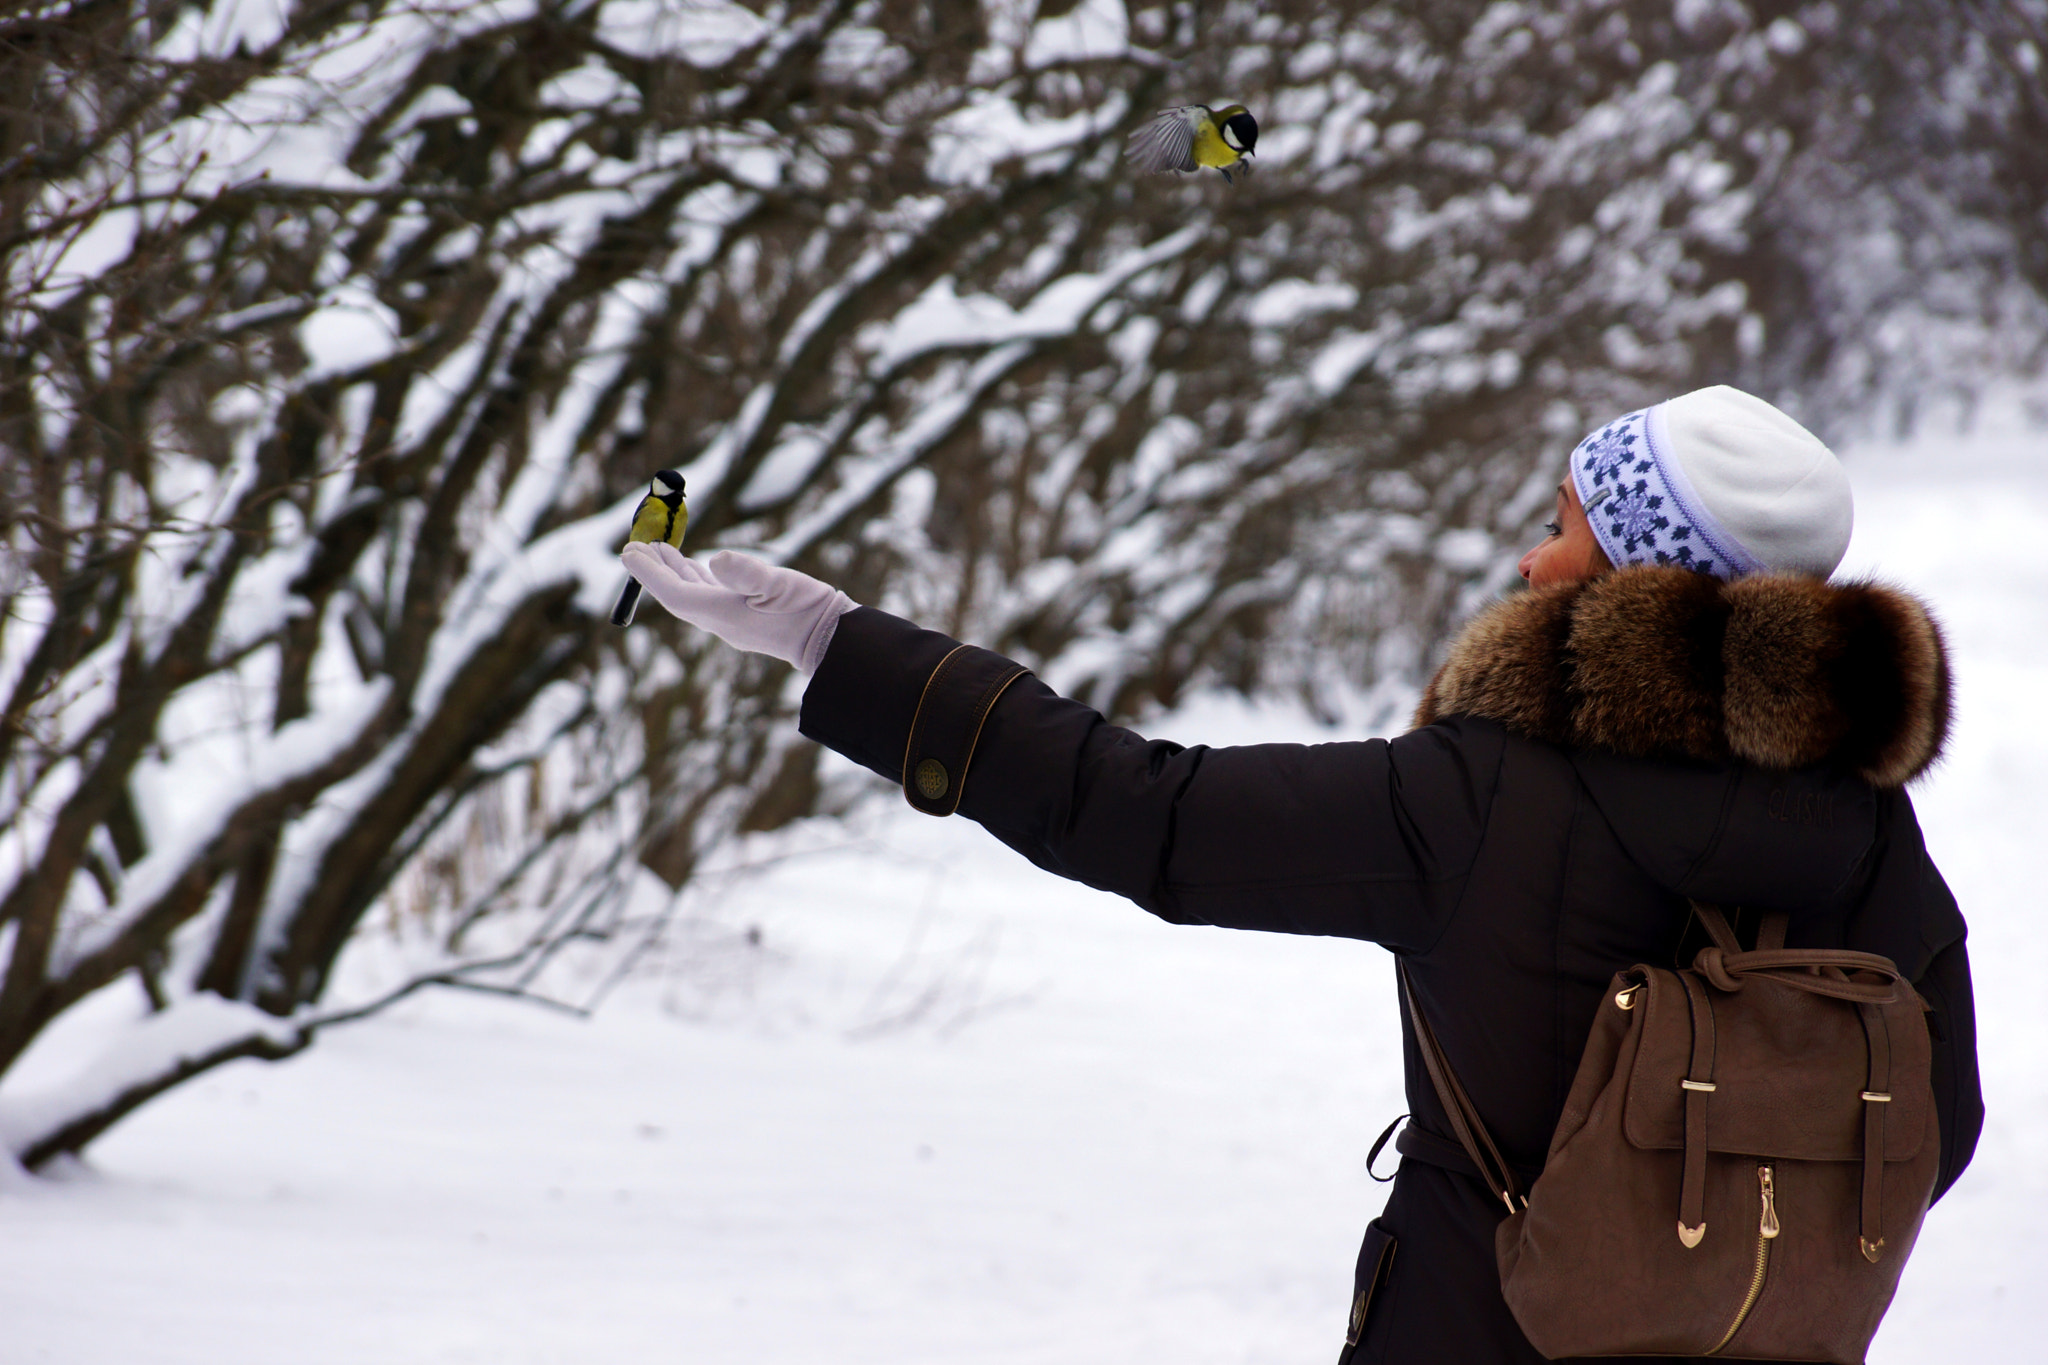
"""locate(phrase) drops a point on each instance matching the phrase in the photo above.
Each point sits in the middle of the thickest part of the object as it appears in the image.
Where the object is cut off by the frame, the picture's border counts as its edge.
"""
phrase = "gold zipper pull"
(1769, 1226)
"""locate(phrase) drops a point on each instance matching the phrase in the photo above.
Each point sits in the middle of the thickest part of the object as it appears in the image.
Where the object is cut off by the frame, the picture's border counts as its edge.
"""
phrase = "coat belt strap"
(1433, 1149)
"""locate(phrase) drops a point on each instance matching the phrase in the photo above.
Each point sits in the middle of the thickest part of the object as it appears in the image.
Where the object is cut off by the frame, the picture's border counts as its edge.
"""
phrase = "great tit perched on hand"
(661, 516)
(1194, 136)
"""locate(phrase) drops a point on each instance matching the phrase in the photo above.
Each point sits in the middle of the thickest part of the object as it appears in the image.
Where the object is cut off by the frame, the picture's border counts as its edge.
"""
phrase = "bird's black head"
(666, 482)
(1241, 131)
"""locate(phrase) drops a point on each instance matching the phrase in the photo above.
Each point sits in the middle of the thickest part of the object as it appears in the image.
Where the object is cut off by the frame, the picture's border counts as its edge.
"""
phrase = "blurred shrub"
(339, 335)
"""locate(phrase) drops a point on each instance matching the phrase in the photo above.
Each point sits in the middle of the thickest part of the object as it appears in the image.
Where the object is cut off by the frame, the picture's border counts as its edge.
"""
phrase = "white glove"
(746, 602)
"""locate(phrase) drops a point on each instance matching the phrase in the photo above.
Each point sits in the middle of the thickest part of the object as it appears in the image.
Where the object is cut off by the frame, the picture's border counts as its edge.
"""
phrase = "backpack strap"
(1822, 971)
(1770, 935)
(1876, 1101)
(1699, 1088)
(1458, 1106)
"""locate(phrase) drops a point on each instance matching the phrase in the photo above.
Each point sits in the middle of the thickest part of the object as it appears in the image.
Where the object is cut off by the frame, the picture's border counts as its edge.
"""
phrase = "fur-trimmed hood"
(1774, 670)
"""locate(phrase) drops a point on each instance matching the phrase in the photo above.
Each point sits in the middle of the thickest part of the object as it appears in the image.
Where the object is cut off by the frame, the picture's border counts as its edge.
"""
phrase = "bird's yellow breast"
(1210, 148)
(652, 521)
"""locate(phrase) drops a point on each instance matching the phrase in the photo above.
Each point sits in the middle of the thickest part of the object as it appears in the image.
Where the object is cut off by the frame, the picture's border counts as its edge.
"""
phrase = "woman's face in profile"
(1569, 554)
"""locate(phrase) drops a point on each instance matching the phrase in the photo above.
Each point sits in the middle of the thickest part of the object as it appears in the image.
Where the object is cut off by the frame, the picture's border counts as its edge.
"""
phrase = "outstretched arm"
(1371, 839)
(1367, 839)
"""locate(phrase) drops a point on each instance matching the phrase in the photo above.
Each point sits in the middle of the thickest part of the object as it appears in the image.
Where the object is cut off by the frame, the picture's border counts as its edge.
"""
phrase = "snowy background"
(336, 343)
(950, 1109)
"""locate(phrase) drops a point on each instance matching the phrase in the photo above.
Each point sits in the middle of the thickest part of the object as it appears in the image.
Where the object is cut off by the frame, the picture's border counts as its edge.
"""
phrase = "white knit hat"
(1716, 480)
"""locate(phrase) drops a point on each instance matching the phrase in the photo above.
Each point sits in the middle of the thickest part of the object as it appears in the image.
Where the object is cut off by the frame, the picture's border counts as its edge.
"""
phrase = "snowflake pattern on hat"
(1607, 451)
(1635, 515)
(1640, 521)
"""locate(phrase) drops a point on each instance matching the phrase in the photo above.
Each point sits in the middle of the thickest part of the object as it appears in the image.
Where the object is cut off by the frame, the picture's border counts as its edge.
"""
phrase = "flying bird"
(661, 516)
(1194, 136)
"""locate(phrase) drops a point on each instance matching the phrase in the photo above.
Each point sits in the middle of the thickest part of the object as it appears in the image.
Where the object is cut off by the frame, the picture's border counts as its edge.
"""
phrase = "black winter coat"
(1588, 758)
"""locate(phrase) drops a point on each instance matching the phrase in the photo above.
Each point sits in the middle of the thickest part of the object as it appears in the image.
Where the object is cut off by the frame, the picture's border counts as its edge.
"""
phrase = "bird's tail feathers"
(629, 601)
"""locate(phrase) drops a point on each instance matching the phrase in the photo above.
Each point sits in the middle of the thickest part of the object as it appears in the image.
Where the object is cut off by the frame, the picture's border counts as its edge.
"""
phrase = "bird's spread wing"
(1167, 143)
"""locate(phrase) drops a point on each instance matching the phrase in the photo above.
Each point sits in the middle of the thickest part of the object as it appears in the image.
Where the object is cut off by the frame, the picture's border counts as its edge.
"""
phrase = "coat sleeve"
(1370, 839)
(1944, 983)
(1906, 912)
(1958, 1093)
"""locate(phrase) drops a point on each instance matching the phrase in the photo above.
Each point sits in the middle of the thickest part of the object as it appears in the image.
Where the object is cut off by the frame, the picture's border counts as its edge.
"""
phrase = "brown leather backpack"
(1741, 1167)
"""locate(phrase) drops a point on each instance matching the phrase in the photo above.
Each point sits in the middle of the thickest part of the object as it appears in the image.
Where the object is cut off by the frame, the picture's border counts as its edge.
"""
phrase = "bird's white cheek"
(1230, 141)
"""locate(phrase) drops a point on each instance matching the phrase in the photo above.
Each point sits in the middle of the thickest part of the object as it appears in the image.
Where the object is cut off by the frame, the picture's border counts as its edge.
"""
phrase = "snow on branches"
(339, 340)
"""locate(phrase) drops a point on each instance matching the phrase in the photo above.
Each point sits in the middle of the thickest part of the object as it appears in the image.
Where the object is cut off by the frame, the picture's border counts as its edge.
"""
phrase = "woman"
(1680, 707)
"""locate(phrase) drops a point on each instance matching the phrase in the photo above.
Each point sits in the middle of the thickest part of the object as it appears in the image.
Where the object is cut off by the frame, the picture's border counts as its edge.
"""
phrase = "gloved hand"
(746, 602)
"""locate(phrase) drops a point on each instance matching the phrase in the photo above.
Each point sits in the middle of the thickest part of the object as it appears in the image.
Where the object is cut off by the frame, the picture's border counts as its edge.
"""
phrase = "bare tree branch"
(336, 341)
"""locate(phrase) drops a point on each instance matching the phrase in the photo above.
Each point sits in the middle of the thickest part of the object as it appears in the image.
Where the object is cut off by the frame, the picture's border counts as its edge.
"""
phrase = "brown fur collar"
(1775, 670)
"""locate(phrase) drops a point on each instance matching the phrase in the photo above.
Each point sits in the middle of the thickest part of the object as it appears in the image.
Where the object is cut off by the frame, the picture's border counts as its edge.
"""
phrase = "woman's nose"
(1528, 561)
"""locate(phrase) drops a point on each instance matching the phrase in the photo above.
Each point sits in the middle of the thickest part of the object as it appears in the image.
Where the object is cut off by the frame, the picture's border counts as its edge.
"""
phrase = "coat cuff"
(954, 706)
(907, 703)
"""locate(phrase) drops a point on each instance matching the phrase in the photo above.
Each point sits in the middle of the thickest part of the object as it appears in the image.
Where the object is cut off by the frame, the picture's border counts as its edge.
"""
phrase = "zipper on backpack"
(1767, 1228)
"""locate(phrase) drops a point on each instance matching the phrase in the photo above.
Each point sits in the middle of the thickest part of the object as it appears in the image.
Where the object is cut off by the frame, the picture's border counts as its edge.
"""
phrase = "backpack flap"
(1789, 1079)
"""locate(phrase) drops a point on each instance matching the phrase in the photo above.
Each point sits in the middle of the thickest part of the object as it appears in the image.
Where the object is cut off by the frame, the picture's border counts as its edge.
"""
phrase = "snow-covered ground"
(948, 1109)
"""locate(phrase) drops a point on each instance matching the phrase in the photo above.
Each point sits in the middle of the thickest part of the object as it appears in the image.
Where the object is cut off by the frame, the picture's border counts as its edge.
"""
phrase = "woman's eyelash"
(1553, 528)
